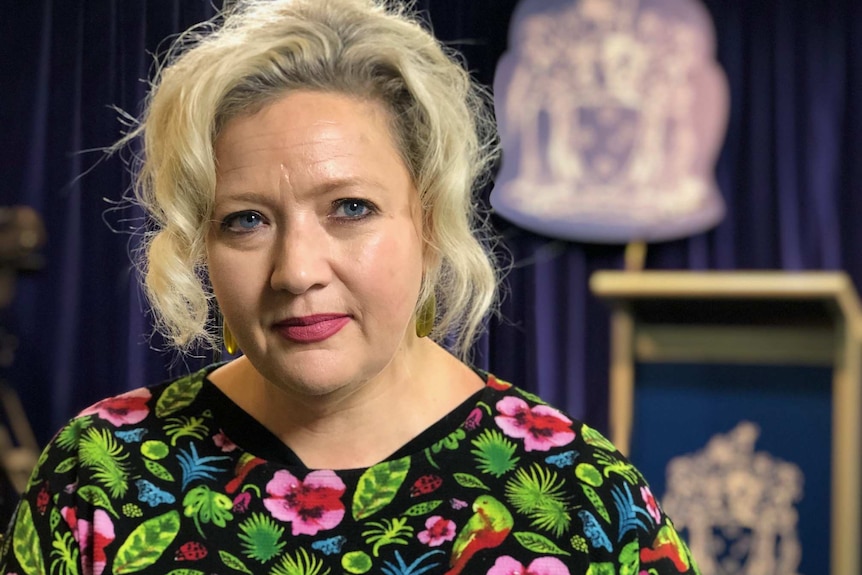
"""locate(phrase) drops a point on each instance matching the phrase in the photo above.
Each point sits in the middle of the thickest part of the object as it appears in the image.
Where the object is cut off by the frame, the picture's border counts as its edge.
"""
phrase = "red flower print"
(506, 565)
(541, 427)
(651, 504)
(129, 408)
(437, 531)
(311, 505)
(92, 539)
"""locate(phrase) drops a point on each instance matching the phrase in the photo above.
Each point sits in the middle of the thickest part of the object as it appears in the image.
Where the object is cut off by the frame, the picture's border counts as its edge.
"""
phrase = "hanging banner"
(611, 115)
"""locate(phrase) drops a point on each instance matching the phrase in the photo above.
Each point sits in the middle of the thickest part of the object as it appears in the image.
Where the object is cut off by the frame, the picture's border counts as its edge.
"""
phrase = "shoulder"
(562, 465)
(131, 418)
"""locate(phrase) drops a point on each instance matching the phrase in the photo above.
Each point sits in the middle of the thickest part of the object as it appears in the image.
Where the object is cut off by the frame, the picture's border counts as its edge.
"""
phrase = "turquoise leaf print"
(417, 567)
(628, 512)
(196, 467)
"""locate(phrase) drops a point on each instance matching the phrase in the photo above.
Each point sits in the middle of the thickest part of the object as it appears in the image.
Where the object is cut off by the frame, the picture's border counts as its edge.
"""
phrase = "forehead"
(308, 138)
(302, 118)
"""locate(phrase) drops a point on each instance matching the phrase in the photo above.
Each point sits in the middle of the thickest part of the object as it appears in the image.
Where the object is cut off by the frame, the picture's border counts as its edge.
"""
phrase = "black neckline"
(253, 437)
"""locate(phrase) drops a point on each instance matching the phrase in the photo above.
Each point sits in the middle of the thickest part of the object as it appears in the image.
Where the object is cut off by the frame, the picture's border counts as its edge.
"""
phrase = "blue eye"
(352, 208)
(242, 221)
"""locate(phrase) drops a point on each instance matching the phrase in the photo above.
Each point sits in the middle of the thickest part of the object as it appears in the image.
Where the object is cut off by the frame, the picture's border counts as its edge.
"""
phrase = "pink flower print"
(312, 505)
(128, 408)
(92, 539)
(241, 502)
(437, 531)
(71, 517)
(541, 427)
(223, 441)
(506, 565)
(651, 504)
(473, 420)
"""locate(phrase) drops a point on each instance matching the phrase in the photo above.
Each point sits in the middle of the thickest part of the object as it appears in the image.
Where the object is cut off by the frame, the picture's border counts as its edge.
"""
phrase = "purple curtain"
(788, 172)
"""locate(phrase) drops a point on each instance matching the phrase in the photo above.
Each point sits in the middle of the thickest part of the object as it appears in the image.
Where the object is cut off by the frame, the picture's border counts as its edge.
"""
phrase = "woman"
(308, 168)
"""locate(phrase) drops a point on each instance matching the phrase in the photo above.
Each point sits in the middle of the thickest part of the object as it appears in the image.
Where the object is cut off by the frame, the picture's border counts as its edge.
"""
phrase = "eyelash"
(370, 209)
(229, 221)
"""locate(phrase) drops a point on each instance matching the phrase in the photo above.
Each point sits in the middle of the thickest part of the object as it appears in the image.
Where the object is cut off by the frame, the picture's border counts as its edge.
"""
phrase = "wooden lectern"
(809, 318)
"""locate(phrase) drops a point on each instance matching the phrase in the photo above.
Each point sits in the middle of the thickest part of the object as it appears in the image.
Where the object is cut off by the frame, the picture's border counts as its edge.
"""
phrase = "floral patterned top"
(176, 479)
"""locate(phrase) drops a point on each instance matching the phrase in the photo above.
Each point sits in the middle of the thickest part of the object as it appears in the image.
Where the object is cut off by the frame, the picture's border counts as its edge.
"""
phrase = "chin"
(312, 374)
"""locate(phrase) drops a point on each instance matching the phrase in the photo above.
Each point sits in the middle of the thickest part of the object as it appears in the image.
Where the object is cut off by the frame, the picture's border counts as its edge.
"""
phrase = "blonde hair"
(253, 54)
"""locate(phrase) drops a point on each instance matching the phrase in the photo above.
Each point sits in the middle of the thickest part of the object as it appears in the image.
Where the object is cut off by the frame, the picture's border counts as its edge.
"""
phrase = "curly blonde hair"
(250, 56)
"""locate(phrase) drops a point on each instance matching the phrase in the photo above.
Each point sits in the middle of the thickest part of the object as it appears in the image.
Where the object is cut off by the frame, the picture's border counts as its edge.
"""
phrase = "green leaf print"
(303, 564)
(630, 559)
(70, 436)
(234, 562)
(601, 569)
(146, 543)
(261, 537)
(530, 396)
(596, 439)
(94, 495)
(597, 502)
(423, 508)
(35, 474)
(100, 451)
(155, 449)
(25, 542)
(356, 562)
(494, 453)
(207, 506)
(67, 464)
(541, 495)
(179, 394)
(186, 572)
(177, 427)
(377, 487)
(158, 470)
(387, 532)
(55, 518)
(611, 464)
(64, 554)
(467, 480)
(538, 543)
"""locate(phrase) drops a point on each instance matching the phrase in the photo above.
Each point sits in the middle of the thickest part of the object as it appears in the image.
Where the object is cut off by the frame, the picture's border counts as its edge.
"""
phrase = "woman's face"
(315, 253)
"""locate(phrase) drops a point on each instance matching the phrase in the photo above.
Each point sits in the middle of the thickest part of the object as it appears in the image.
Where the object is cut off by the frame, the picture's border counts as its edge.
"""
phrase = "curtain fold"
(789, 171)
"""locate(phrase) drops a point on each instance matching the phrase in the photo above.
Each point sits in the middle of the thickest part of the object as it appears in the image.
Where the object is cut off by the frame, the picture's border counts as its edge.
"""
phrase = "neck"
(362, 426)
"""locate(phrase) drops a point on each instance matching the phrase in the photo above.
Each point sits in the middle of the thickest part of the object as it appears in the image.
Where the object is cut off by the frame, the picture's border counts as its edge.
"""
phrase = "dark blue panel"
(678, 407)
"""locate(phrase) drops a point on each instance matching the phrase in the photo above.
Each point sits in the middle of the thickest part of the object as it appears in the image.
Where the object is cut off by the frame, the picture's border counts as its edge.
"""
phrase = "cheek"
(392, 268)
(230, 277)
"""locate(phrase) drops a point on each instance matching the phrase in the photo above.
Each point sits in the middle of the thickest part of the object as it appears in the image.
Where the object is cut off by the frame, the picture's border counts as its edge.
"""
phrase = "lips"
(311, 328)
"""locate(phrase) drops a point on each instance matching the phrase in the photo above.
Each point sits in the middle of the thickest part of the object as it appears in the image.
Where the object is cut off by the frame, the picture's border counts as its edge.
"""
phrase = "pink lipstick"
(311, 328)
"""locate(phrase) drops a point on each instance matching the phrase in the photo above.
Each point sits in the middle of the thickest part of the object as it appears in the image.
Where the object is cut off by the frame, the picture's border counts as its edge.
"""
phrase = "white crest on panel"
(738, 506)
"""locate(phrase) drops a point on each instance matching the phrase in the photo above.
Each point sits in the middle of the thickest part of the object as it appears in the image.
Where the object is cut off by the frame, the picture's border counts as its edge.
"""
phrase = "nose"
(302, 259)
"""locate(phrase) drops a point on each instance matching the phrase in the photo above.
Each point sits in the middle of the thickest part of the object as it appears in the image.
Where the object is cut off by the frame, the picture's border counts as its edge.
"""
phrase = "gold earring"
(230, 344)
(425, 317)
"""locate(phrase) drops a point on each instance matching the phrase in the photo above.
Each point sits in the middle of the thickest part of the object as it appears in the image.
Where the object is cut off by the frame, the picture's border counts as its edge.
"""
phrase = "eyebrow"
(324, 188)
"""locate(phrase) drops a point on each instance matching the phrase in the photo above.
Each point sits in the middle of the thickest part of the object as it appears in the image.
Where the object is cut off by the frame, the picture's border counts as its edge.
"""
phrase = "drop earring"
(425, 317)
(230, 344)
